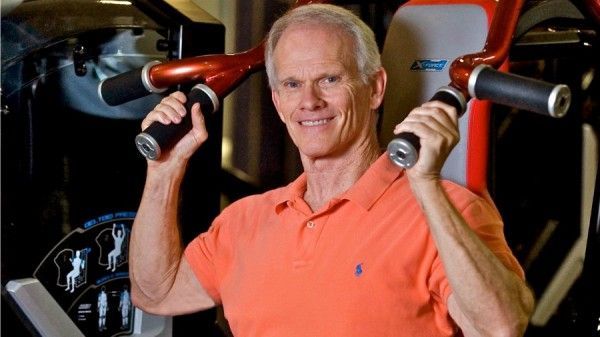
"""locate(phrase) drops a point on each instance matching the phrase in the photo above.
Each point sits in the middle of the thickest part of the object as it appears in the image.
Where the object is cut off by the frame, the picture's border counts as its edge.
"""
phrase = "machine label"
(428, 65)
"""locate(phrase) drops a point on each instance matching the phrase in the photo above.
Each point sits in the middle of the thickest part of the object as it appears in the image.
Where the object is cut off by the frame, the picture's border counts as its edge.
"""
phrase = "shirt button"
(310, 224)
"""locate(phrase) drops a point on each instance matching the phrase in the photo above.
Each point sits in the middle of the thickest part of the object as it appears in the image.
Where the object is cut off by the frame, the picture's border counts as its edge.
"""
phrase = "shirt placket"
(310, 231)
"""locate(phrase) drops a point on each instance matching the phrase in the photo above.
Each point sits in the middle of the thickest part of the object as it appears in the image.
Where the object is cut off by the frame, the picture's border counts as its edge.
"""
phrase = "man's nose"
(311, 97)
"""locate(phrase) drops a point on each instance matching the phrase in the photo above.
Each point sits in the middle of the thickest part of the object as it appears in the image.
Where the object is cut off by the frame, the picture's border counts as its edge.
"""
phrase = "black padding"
(450, 99)
(167, 135)
(513, 90)
(123, 88)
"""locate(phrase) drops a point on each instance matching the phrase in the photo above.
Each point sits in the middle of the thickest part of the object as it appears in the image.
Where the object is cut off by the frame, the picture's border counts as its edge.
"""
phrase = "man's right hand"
(171, 109)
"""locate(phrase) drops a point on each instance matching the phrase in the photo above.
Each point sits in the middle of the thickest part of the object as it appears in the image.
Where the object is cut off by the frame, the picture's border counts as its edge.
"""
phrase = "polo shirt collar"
(374, 182)
(365, 192)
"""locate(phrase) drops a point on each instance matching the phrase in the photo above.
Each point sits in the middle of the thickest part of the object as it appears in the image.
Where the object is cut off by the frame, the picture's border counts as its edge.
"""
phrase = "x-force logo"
(428, 65)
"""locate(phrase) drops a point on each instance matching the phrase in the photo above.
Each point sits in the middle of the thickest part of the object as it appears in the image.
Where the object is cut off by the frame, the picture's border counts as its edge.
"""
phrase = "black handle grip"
(404, 148)
(519, 92)
(159, 137)
(128, 86)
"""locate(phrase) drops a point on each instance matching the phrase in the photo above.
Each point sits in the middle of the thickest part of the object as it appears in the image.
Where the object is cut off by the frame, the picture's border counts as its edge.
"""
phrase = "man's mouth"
(316, 122)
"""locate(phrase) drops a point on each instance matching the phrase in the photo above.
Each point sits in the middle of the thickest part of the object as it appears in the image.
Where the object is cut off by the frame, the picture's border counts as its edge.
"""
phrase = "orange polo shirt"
(364, 265)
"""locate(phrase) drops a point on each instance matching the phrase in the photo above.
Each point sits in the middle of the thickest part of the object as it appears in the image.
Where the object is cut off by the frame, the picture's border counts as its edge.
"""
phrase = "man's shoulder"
(461, 196)
(250, 211)
(458, 188)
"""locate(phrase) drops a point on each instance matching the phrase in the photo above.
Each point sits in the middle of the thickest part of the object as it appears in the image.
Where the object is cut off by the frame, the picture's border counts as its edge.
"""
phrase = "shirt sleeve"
(205, 254)
(483, 218)
(487, 224)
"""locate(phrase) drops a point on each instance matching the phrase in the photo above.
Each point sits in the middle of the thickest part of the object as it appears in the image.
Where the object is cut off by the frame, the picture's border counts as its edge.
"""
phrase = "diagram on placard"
(113, 246)
(87, 273)
(113, 308)
(102, 307)
(125, 307)
(72, 265)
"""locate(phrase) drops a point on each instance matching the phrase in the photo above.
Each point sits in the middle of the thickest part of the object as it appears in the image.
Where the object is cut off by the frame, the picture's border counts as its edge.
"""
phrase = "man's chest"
(359, 267)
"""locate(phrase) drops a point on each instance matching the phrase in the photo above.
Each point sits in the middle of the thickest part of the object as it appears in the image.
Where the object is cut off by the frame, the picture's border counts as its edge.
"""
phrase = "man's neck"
(329, 177)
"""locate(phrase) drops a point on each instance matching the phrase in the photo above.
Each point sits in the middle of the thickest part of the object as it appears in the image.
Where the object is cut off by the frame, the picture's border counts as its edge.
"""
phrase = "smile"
(316, 122)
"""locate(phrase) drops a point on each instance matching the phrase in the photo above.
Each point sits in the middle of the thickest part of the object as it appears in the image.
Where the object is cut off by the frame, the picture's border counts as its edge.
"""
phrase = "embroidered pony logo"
(358, 270)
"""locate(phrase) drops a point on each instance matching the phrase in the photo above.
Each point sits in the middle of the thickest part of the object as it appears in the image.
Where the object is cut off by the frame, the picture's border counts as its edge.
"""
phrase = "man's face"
(319, 94)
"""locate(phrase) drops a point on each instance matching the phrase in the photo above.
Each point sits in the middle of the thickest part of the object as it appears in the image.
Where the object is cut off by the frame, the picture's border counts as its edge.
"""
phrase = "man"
(355, 246)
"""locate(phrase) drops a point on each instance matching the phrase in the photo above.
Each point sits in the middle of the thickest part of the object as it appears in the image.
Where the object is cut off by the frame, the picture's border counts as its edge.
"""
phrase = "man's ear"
(276, 102)
(378, 83)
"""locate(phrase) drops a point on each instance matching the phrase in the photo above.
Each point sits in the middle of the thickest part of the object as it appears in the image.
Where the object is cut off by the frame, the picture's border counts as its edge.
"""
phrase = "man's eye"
(331, 79)
(291, 84)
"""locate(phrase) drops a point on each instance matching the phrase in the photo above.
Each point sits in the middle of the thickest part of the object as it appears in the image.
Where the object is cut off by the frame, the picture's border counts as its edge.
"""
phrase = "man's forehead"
(317, 46)
(316, 68)
(313, 34)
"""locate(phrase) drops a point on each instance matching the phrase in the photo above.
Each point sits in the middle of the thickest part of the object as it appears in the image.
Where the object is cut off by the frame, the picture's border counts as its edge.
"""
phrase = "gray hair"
(368, 59)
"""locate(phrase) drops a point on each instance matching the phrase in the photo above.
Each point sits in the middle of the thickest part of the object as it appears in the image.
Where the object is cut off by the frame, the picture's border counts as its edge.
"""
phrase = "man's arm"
(162, 282)
(487, 298)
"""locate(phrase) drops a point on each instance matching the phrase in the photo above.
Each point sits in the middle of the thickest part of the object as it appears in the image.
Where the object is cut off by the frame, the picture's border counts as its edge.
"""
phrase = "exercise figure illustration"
(124, 306)
(118, 235)
(78, 265)
(102, 309)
